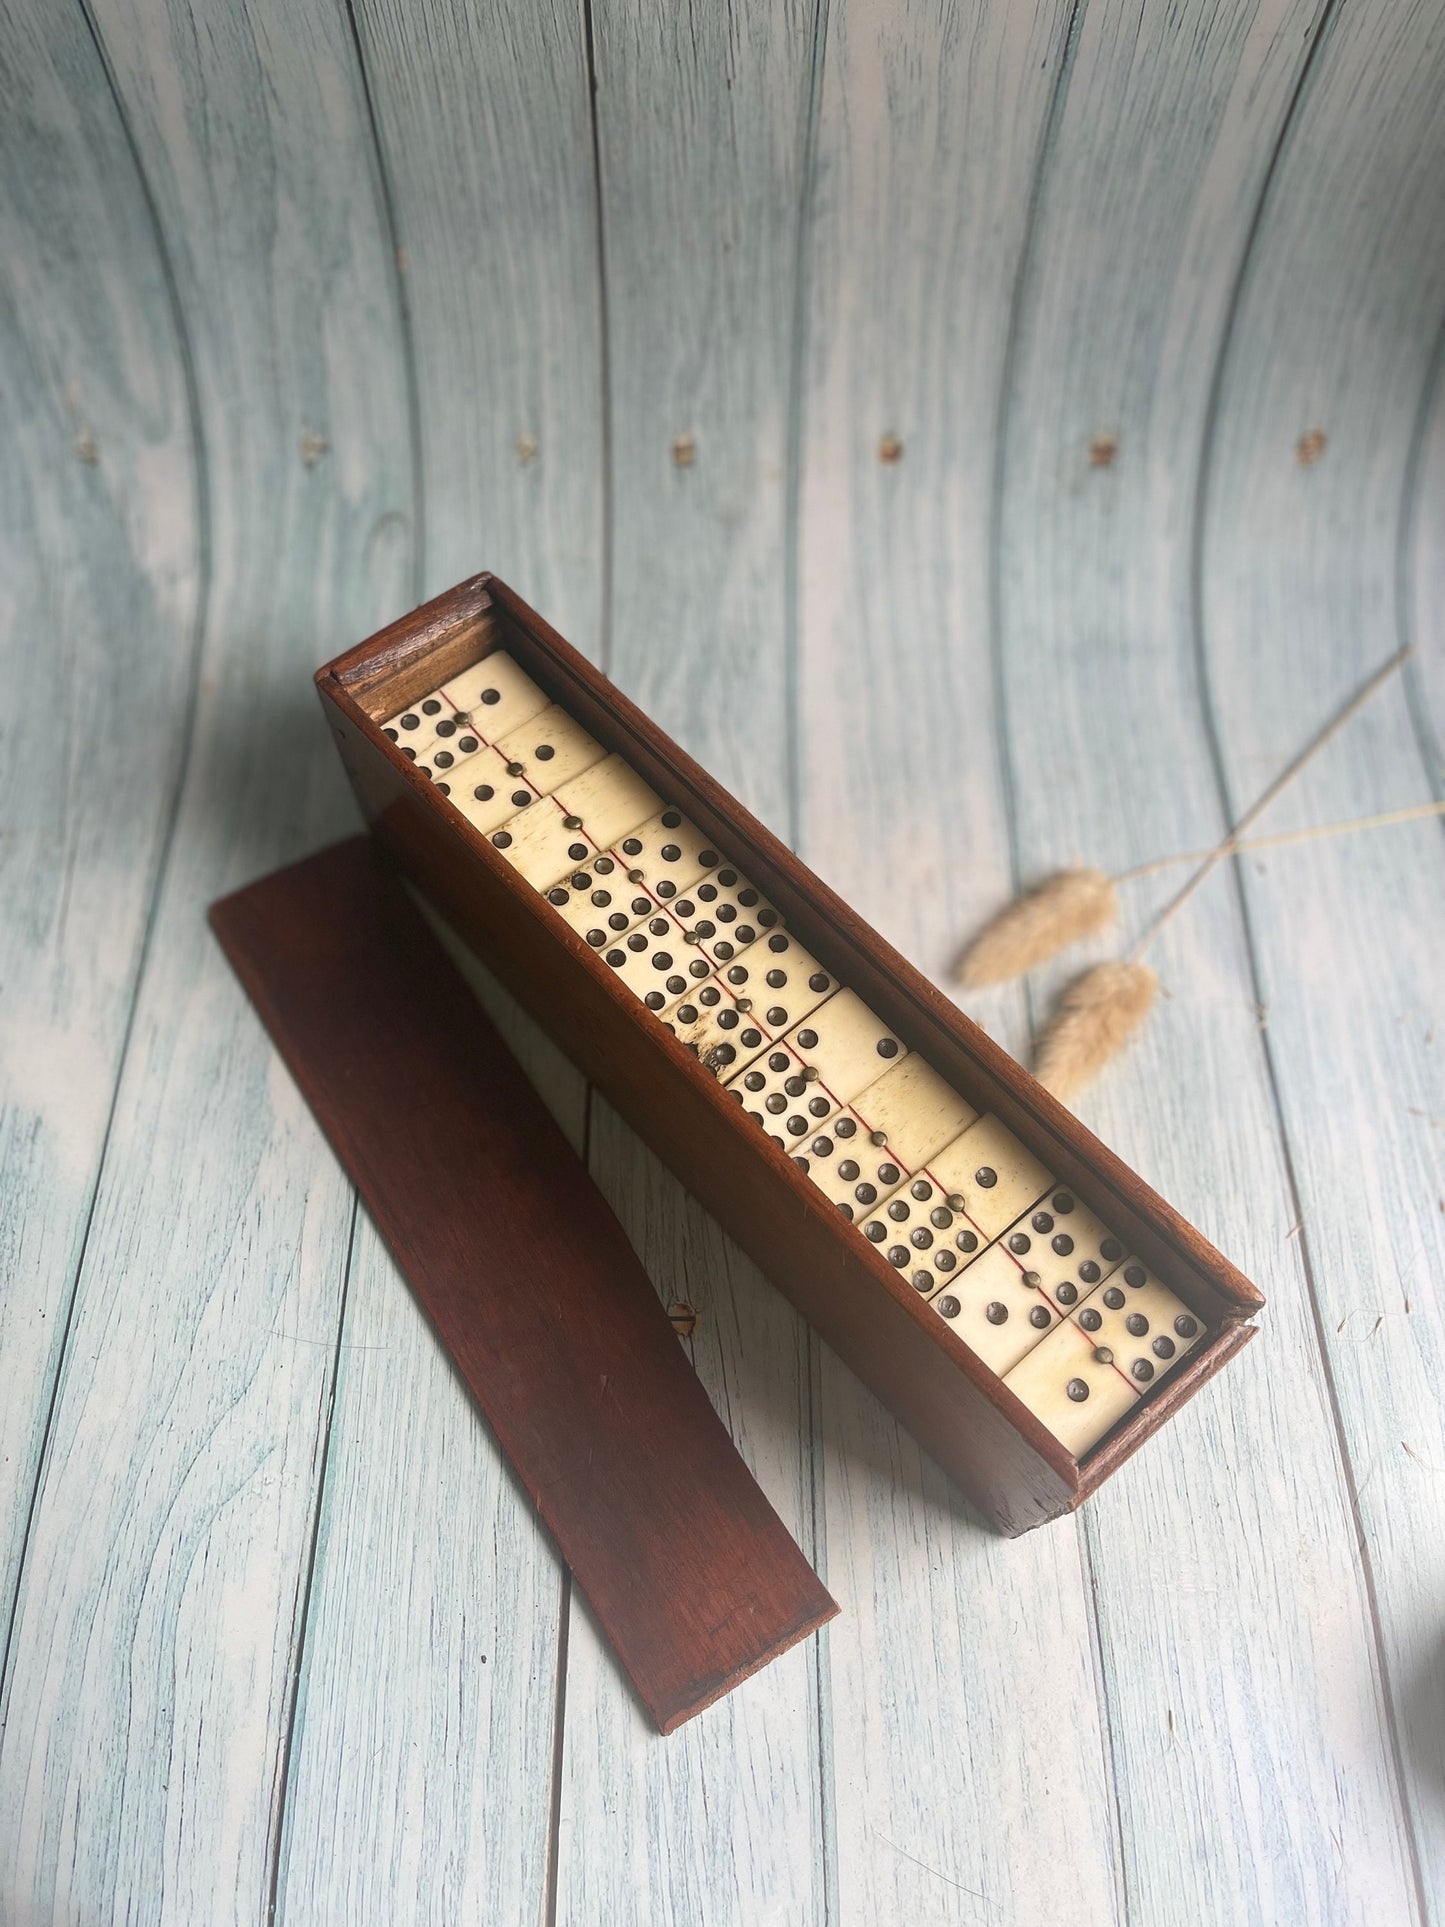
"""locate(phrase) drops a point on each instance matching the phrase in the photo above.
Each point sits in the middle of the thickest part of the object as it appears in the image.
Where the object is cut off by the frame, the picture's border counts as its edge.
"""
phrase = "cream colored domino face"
(776, 1090)
(1074, 1393)
(549, 751)
(484, 792)
(446, 753)
(654, 961)
(847, 1166)
(782, 981)
(720, 1025)
(761, 993)
(1043, 1266)
(831, 1054)
(598, 901)
(1063, 1249)
(414, 729)
(698, 956)
(1141, 1322)
(483, 702)
(861, 1155)
(1101, 1361)
(665, 855)
(575, 823)
(917, 1112)
(994, 1311)
(845, 1042)
(726, 911)
(495, 696)
(959, 1202)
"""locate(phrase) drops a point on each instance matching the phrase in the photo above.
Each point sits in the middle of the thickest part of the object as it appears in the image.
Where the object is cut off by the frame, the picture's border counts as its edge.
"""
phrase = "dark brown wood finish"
(528, 1278)
(1012, 1469)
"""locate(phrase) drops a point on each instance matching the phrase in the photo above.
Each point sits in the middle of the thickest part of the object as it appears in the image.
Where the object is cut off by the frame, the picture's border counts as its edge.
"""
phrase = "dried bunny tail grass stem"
(1313, 833)
(1097, 1015)
(1261, 803)
(1058, 911)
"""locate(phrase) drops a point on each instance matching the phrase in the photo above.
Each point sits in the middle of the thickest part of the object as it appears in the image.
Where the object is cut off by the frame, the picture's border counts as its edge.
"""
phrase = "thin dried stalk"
(1097, 1015)
(1312, 833)
(1064, 907)
(1261, 803)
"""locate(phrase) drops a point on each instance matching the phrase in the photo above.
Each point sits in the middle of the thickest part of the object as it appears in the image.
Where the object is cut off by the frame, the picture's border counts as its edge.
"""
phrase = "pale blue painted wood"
(1337, 330)
(425, 1722)
(961, 1708)
(720, 1822)
(701, 129)
(100, 583)
(702, 121)
(1137, 248)
(159, 1606)
(1422, 571)
(1189, 1678)
(485, 132)
(927, 159)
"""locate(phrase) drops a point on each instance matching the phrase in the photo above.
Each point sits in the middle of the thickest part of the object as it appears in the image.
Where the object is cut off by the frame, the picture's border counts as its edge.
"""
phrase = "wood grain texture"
(432, 1620)
(1337, 330)
(459, 1554)
(702, 126)
(1014, 1470)
(474, 1188)
(701, 122)
(1422, 570)
(970, 1692)
(722, 1824)
(927, 148)
(485, 133)
(1137, 248)
(98, 531)
(158, 1610)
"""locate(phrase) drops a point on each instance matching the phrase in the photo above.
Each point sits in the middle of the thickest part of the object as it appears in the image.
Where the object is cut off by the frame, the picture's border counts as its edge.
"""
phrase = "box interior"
(419, 654)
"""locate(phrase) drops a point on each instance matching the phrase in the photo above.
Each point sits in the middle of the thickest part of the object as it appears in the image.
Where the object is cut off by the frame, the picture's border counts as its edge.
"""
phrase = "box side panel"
(1002, 1459)
(543, 963)
(927, 1021)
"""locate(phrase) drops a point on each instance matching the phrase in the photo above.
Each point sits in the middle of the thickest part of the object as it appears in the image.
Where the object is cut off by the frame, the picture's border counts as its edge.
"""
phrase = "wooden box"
(1010, 1467)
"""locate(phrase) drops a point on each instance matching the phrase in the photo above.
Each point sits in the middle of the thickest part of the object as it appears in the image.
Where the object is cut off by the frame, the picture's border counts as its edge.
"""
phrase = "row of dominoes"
(1042, 1291)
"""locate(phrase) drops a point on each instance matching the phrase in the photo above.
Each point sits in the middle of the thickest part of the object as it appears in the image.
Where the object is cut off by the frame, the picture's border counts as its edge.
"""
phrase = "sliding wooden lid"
(528, 1278)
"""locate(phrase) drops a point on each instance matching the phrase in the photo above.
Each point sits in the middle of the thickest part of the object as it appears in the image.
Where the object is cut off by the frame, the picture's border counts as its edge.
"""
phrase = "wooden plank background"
(986, 435)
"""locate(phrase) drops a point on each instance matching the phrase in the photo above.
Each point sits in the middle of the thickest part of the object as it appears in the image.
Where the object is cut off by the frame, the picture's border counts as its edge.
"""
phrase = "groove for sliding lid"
(417, 652)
